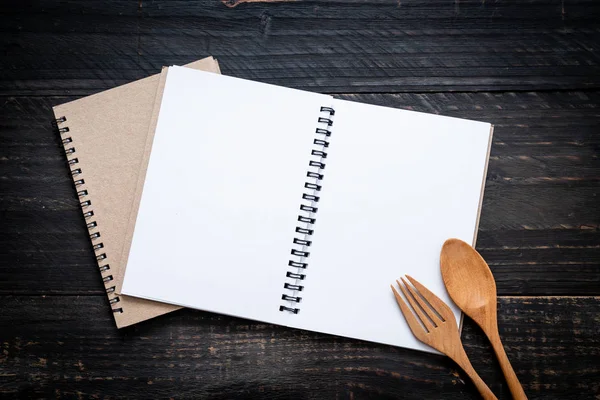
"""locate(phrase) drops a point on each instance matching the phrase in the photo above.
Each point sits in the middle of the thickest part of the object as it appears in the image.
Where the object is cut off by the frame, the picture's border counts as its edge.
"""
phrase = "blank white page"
(397, 184)
(221, 196)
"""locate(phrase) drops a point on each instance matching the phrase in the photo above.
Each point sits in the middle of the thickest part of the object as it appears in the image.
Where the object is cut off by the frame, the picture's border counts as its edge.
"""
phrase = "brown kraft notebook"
(105, 137)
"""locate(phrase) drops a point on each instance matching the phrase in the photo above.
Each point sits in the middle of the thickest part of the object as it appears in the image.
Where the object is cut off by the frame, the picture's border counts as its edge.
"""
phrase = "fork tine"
(424, 306)
(437, 304)
(415, 327)
(424, 320)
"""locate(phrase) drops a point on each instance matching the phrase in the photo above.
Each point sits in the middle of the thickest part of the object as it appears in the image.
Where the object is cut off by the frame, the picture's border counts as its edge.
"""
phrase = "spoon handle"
(461, 358)
(511, 378)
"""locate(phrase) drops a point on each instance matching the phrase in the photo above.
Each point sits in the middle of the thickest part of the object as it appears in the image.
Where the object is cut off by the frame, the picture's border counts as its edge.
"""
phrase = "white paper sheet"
(224, 186)
(221, 197)
(397, 184)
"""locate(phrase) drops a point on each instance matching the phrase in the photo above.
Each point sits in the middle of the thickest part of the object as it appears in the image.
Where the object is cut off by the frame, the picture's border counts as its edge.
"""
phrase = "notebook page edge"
(487, 162)
(143, 166)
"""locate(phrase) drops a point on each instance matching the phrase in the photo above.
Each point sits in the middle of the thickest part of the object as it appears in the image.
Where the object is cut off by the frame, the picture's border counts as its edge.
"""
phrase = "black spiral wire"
(300, 251)
(88, 213)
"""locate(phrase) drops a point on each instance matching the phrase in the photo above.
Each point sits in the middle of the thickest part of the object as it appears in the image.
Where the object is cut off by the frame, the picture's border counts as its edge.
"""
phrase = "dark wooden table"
(532, 69)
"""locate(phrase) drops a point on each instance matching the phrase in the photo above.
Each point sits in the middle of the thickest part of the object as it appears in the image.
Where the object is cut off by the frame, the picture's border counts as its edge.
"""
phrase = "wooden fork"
(438, 329)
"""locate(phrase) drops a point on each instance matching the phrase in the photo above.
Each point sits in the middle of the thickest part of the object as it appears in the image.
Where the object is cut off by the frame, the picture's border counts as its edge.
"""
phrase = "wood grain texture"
(538, 230)
(531, 68)
(343, 46)
(52, 348)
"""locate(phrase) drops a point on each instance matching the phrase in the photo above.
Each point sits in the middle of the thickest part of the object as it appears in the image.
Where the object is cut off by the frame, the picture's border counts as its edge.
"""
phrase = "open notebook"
(298, 209)
(105, 137)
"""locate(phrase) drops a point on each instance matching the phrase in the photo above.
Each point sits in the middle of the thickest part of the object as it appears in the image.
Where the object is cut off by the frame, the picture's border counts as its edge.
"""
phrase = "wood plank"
(337, 47)
(538, 230)
(61, 346)
(61, 262)
(505, 206)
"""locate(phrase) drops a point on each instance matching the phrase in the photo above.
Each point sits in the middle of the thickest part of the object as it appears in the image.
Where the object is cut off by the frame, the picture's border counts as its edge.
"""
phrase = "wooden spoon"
(471, 286)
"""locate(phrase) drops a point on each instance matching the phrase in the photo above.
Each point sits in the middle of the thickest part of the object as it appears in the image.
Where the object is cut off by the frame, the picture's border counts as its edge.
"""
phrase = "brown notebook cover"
(105, 138)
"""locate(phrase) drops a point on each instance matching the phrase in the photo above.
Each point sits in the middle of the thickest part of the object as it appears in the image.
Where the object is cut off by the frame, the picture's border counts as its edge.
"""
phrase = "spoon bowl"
(472, 287)
(469, 281)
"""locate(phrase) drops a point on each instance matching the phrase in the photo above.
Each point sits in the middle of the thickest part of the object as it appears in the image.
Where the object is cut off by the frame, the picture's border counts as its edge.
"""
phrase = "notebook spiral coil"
(88, 213)
(307, 218)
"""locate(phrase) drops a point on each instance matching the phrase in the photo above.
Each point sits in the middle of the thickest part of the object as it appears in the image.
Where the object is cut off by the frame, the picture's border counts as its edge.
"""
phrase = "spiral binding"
(92, 226)
(307, 219)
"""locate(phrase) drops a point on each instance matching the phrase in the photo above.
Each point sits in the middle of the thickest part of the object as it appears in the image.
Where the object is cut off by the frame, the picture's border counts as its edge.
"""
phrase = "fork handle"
(460, 357)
